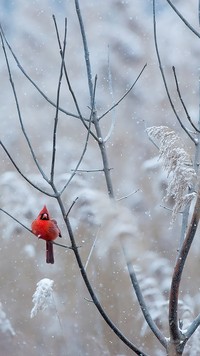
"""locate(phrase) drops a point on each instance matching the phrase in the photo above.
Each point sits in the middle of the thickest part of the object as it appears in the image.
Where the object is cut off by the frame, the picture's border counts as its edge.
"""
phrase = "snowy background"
(120, 39)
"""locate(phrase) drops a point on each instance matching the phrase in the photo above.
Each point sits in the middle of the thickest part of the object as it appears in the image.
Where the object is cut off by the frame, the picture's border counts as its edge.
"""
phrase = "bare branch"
(19, 112)
(31, 80)
(23, 175)
(61, 245)
(128, 195)
(70, 208)
(89, 170)
(16, 220)
(143, 306)
(86, 51)
(86, 142)
(111, 92)
(57, 104)
(182, 102)
(163, 76)
(100, 141)
(125, 94)
(192, 328)
(69, 84)
(183, 19)
(175, 332)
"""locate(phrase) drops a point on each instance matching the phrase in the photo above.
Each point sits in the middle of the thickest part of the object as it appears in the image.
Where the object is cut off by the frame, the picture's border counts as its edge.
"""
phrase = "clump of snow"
(43, 296)
(5, 325)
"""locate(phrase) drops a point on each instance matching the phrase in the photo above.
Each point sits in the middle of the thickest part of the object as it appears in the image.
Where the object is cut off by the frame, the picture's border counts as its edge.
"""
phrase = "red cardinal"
(47, 229)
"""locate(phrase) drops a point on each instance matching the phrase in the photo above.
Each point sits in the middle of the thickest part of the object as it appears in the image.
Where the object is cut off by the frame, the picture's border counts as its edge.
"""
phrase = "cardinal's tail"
(49, 252)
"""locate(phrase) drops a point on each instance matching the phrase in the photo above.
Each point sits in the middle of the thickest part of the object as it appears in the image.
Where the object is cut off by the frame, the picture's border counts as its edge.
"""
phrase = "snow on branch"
(178, 164)
(5, 325)
(43, 296)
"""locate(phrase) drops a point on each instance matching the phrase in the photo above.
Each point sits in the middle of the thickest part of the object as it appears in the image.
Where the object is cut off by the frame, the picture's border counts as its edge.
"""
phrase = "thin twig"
(128, 195)
(57, 104)
(61, 245)
(32, 82)
(23, 175)
(192, 328)
(125, 94)
(19, 112)
(69, 84)
(143, 306)
(19, 222)
(70, 208)
(183, 19)
(110, 86)
(85, 145)
(92, 249)
(86, 51)
(89, 170)
(181, 100)
(163, 75)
